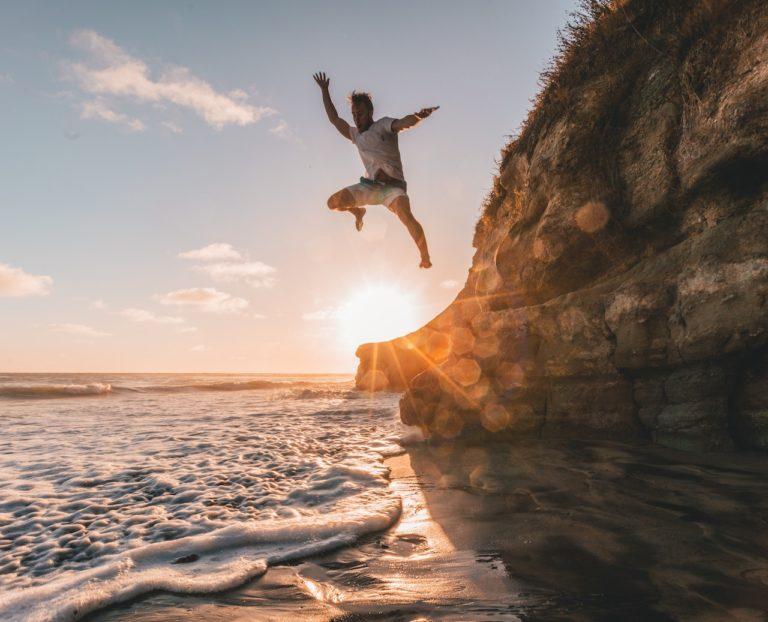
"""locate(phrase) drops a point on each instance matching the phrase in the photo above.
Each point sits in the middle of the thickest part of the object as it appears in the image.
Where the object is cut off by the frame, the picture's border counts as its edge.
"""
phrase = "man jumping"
(377, 143)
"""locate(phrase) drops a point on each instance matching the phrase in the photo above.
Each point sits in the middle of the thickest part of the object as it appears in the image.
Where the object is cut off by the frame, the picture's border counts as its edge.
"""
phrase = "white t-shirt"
(378, 148)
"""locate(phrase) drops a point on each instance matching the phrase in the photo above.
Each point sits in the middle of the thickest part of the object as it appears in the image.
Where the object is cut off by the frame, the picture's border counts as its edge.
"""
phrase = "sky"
(166, 168)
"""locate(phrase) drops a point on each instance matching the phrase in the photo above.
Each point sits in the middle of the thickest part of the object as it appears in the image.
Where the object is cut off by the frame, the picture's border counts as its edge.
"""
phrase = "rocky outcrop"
(620, 278)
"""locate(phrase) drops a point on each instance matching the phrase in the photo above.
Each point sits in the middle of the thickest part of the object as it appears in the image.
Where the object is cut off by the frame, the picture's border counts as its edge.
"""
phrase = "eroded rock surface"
(619, 283)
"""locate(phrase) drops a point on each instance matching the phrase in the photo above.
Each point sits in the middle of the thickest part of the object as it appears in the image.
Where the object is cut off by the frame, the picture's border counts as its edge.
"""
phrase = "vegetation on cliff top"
(604, 43)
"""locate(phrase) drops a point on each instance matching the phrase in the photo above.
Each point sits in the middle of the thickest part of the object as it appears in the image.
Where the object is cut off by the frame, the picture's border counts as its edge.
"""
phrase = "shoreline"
(413, 565)
(549, 531)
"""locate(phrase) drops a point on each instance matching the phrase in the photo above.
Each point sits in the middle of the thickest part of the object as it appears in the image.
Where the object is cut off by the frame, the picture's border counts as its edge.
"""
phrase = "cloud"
(231, 265)
(6, 79)
(259, 316)
(173, 127)
(254, 273)
(281, 129)
(111, 71)
(81, 330)
(198, 348)
(15, 283)
(449, 284)
(134, 314)
(328, 313)
(98, 109)
(212, 252)
(205, 299)
(284, 131)
(142, 315)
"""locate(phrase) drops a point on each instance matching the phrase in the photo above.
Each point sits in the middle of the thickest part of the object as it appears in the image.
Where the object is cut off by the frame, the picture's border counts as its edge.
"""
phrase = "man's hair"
(360, 97)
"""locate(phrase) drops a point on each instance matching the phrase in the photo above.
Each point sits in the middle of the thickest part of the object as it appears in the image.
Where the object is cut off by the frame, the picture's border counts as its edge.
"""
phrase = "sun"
(377, 313)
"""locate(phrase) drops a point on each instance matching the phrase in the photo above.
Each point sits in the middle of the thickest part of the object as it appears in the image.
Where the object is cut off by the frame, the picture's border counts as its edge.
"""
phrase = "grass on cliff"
(609, 39)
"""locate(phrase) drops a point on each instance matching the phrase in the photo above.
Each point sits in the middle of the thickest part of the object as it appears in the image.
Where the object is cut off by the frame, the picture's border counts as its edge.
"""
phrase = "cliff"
(619, 283)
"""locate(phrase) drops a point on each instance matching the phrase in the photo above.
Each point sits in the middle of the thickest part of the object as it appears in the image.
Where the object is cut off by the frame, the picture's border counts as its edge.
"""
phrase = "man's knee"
(404, 213)
(401, 207)
(340, 200)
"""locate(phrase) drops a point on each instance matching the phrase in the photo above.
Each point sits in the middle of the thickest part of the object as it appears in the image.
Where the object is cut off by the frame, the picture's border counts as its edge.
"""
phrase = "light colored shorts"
(375, 194)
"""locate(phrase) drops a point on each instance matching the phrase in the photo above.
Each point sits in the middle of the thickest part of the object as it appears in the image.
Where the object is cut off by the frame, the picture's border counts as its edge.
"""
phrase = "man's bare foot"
(358, 213)
(425, 263)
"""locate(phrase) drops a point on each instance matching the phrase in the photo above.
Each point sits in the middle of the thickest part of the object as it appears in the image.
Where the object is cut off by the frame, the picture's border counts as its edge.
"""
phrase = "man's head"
(362, 109)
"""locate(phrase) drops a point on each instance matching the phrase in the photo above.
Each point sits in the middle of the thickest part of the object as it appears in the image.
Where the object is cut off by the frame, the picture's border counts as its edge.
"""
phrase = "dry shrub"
(489, 209)
(606, 46)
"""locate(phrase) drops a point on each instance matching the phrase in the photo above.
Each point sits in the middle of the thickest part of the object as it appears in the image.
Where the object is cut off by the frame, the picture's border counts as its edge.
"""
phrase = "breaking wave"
(56, 390)
(248, 385)
(32, 391)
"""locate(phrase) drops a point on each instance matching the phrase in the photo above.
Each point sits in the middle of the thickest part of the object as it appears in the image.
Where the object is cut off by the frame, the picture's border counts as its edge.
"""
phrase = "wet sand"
(557, 531)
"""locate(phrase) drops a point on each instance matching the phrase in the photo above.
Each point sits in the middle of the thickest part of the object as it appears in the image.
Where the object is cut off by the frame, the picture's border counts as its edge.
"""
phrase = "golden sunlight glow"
(377, 313)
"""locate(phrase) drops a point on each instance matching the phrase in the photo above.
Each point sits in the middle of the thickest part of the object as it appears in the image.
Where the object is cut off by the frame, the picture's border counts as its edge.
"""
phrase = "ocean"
(114, 485)
(192, 498)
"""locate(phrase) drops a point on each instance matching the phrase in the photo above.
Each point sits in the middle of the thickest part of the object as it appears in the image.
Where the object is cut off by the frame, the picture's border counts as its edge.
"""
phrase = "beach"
(253, 497)
(530, 531)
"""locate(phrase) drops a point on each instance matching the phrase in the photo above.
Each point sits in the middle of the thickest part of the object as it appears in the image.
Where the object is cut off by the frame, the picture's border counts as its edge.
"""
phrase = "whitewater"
(115, 485)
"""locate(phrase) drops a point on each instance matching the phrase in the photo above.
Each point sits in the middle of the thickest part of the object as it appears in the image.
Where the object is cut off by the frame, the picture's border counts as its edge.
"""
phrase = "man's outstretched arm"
(340, 124)
(412, 119)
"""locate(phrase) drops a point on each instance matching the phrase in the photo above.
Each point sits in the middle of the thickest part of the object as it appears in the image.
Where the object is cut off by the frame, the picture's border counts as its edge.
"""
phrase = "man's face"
(361, 114)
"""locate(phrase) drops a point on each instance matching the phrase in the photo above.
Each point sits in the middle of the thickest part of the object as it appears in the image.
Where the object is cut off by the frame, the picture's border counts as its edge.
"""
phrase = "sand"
(556, 531)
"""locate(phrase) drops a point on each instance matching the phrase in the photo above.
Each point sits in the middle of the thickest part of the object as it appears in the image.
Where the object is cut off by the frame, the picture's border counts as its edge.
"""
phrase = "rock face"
(620, 278)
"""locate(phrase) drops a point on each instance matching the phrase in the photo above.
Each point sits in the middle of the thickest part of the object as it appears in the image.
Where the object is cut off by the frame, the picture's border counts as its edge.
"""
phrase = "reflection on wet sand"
(569, 531)
(610, 531)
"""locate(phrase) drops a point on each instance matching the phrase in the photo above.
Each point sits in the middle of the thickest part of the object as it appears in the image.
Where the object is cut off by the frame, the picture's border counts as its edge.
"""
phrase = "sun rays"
(377, 313)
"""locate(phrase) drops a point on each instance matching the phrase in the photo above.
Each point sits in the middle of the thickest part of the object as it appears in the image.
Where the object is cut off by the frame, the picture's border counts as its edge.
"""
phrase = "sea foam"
(215, 561)
(187, 491)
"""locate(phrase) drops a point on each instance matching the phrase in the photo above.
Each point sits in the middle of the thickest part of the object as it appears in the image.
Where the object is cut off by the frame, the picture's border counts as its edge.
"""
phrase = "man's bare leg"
(401, 206)
(343, 201)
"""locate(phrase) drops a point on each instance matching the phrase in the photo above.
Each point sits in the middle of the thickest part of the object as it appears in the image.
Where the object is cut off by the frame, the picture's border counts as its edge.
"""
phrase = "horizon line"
(262, 373)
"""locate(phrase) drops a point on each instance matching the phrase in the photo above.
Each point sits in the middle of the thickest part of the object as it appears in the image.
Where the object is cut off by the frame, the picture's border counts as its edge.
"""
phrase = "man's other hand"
(322, 80)
(425, 112)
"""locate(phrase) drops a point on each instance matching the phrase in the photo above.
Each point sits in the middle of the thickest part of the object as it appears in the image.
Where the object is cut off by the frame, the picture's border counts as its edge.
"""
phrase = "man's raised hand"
(322, 80)
(425, 112)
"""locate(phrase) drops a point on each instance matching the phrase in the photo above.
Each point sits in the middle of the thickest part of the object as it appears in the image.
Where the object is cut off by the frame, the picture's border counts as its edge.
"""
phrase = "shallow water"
(117, 485)
(586, 531)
